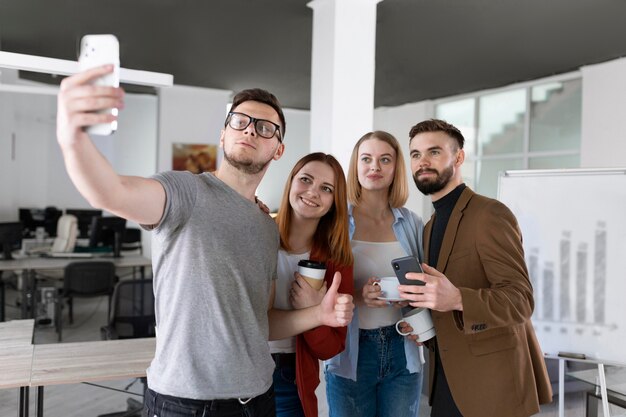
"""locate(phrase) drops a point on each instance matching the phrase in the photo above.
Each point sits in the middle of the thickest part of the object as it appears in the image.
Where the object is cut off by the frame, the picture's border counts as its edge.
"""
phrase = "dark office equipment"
(132, 312)
(107, 232)
(84, 279)
(51, 219)
(32, 218)
(132, 240)
(132, 316)
(10, 238)
(84, 217)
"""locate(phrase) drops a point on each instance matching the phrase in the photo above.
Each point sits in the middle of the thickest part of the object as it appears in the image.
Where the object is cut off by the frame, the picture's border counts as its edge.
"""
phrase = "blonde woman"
(379, 372)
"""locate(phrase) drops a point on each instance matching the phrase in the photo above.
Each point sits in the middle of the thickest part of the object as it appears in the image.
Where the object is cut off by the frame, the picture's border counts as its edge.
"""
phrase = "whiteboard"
(574, 229)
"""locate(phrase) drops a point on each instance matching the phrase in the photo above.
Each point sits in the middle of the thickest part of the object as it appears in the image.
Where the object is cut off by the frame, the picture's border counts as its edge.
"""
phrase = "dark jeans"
(285, 390)
(158, 405)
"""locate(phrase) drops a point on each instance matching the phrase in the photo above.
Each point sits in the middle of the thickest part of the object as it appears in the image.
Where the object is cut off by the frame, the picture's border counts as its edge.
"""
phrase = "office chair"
(84, 279)
(132, 240)
(132, 316)
(67, 231)
(132, 312)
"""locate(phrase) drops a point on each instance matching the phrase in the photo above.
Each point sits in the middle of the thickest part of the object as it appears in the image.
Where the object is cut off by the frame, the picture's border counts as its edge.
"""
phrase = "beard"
(431, 186)
(247, 166)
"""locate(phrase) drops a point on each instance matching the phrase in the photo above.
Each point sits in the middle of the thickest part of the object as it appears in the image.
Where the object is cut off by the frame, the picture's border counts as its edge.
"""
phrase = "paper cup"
(313, 272)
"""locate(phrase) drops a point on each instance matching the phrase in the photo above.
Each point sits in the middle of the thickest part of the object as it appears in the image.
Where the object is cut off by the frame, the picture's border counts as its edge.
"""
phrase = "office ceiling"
(425, 49)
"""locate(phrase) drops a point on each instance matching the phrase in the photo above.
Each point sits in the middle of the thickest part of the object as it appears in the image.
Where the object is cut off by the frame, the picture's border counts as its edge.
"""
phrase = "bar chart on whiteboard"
(574, 236)
(567, 296)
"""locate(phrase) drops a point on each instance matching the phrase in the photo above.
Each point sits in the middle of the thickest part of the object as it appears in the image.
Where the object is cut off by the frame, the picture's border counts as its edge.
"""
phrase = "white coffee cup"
(313, 272)
(389, 288)
(421, 322)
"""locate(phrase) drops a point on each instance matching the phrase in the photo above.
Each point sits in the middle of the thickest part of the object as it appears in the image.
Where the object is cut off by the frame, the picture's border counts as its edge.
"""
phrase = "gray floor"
(83, 400)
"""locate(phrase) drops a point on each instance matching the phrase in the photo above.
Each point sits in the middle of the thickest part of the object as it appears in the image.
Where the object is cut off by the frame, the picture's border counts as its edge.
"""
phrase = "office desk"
(31, 265)
(16, 333)
(70, 363)
(16, 353)
(15, 366)
(615, 387)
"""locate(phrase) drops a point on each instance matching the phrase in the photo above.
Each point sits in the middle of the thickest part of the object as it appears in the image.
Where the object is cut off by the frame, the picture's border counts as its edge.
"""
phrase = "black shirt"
(443, 403)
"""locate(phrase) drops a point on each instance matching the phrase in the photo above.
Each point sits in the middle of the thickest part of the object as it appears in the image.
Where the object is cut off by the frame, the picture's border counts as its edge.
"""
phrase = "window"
(533, 127)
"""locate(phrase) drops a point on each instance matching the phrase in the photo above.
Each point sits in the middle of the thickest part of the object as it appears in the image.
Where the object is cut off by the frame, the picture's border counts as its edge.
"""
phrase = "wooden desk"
(70, 363)
(31, 265)
(16, 333)
(16, 354)
(15, 366)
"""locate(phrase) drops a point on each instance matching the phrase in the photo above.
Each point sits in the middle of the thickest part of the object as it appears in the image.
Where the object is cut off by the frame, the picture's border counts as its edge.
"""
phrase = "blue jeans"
(286, 392)
(158, 405)
(384, 387)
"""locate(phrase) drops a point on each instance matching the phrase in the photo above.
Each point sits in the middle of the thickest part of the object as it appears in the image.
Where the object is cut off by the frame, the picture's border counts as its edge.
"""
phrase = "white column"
(342, 74)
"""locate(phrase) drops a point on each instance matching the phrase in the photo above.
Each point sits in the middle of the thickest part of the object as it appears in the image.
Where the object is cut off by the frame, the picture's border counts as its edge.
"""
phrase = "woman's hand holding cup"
(303, 295)
(370, 294)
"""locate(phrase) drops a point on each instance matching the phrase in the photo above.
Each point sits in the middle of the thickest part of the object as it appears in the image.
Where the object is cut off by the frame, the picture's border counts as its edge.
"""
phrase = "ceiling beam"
(65, 67)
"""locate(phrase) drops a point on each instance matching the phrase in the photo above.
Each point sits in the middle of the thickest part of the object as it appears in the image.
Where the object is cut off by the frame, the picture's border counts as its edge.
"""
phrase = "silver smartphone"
(97, 50)
(401, 266)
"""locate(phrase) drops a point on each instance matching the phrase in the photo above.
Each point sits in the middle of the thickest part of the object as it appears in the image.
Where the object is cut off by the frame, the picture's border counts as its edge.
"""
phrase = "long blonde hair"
(399, 188)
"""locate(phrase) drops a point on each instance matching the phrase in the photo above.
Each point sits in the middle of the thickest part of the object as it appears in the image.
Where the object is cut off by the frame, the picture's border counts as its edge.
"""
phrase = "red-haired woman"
(313, 224)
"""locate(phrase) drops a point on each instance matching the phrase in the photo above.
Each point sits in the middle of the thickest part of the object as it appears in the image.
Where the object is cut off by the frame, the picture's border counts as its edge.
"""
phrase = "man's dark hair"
(262, 96)
(436, 125)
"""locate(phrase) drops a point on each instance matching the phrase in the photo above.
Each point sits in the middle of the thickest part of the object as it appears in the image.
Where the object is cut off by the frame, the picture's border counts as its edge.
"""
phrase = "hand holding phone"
(401, 266)
(98, 50)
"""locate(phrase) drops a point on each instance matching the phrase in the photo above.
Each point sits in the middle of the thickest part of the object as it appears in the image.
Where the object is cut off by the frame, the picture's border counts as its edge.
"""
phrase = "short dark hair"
(262, 96)
(437, 125)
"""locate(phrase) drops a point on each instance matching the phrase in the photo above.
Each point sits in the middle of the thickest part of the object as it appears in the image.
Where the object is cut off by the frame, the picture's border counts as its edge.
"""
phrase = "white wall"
(603, 114)
(131, 150)
(36, 176)
(195, 115)
(398, 121)
(189, 115)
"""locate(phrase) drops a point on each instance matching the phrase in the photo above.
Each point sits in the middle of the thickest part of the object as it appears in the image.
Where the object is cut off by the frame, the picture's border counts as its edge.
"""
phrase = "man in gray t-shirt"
(214, 255)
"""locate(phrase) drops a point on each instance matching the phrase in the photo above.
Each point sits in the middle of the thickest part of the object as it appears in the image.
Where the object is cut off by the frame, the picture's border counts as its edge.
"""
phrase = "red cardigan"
(320, 343)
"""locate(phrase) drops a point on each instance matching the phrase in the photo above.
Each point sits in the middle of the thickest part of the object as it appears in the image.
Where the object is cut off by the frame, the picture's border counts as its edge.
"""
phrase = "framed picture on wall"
(196, 158)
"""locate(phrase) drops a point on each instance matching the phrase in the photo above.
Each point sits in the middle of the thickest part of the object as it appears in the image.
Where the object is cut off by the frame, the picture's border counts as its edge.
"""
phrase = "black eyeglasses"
(264, 128)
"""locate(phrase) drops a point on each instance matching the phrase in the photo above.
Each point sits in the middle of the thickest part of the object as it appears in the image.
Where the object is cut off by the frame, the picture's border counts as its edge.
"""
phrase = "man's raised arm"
(137, 199)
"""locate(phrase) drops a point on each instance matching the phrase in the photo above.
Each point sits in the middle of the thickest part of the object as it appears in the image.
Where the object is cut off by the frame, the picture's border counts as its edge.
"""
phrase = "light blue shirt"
(408, 228)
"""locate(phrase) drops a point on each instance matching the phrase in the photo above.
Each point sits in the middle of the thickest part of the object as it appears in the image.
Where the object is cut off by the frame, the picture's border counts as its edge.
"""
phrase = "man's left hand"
(438, 293)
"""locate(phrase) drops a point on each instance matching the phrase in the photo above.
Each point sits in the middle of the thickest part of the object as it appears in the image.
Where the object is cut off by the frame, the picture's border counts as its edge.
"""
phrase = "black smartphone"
(406, 264)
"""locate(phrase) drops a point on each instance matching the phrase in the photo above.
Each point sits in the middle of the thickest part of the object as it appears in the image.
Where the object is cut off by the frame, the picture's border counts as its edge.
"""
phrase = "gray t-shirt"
(214, 257)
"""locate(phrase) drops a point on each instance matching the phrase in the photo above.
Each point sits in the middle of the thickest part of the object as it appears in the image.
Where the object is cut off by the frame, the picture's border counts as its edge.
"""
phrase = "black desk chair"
(131, 242)
(132, 312)
(132, 316)
(84, 280)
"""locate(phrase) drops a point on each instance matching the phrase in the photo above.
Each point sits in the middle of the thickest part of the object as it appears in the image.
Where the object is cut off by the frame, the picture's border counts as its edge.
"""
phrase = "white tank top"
(373, 259)
(287, 265)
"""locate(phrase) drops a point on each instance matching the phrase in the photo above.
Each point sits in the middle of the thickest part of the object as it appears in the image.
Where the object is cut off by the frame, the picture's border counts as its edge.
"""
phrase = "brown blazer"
(491, 357)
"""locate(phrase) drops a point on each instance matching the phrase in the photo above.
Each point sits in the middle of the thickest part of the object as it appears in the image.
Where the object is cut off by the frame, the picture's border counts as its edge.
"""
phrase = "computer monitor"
(10, 238)
(84, 217)
(31, 219)
(107, 232)
(51, 220)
